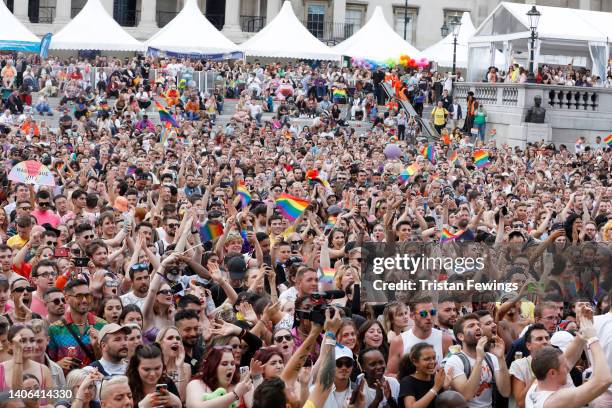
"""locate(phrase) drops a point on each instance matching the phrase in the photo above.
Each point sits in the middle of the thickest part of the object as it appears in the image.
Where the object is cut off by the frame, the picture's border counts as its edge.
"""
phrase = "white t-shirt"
(603, 325)
(521, 369)
(484, 396)
(131, 299)
(370, 393)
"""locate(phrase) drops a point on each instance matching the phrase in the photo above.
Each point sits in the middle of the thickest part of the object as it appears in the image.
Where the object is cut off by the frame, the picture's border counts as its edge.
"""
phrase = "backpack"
(467, 370)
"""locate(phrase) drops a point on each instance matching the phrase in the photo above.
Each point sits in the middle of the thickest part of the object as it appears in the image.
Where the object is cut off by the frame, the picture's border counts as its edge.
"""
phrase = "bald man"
(451, 399)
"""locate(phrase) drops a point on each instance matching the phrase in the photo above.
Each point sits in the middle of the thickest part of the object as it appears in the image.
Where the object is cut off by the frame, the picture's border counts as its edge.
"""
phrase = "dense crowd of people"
(223, 260)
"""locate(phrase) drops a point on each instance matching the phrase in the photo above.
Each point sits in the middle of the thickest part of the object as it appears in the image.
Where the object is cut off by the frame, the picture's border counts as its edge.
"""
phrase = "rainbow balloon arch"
(404, 61)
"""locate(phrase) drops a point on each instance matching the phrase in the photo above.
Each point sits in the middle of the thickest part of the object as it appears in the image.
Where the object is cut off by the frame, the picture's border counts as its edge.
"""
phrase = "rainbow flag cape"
(454, 158)
(608, 140)
(449, 236)
(163, 136)
(327, 275)
(291, 207)
(481, 158)
(245, 195)
(429, 152)
(165, 116)
(409, 171)
(211, 230)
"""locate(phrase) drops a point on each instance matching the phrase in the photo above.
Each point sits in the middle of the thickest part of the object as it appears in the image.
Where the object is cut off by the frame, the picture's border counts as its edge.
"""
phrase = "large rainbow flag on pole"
(447, 236)
(608, 140)
(481, 158)
(165, 116)
(429, 152)
(408, 172)
(291, 207)
(245, 195)
(211, 230)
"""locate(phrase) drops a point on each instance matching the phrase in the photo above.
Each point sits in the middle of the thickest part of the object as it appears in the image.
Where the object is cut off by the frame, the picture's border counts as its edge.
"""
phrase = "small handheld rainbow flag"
(313, 177)
(163, 136)
(608, 140)
(327, 275)
(331, 221)
(409, 171)
(481, 158)
(291, 207)
(165, 116)
(339, 93)
(245, 195)
(449, 236)
(211, 230)
(429, 152)
(454, 158)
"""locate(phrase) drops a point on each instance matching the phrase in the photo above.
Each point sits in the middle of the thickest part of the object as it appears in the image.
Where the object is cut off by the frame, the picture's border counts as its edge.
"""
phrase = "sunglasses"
(89, 236)
(164, 292)
(50, 243)
(300, 242)
(82, 296)
(58, 301)
(173, 225)
(25, 208)
(22, 289)
(279, 339)
(425, 313)
(344, 362)
(139, 267)
(44, 204)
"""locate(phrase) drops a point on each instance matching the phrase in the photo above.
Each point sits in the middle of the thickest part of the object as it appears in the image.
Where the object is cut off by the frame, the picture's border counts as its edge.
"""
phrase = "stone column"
(272, 9)
(232, 17)
(339, 18)
(585, 4)
(62, 11)
(148, 15)
(20, 10)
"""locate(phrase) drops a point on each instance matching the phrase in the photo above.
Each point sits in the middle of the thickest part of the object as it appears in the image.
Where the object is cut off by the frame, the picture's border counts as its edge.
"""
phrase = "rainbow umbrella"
(32, 172)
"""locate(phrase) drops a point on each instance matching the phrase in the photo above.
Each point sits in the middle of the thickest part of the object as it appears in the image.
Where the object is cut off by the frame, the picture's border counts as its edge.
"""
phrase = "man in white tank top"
(551, 367)
(423, 313)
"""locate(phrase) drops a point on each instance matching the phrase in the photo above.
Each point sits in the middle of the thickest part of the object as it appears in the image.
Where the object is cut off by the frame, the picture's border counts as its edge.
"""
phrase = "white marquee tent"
(376, 41)
(286, 37)
(94, 29)
(13, 34)
(442, 51)
(582, 35)
(191, 32)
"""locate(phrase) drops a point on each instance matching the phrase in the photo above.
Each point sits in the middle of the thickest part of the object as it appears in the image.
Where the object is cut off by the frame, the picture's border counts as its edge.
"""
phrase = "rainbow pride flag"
(291, 207)
(408, 172)
(331, 221)
(339, 93)
(165, 116)
(163, 136)
(429, 152)
(447, 236)
(481, 158)
(608, 140)
(327, 275)
(245, 195)
(454, 158)
(211, 230)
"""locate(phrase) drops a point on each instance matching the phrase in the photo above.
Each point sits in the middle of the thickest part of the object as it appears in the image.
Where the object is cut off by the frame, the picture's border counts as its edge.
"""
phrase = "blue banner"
(44, 46)
(20, 46)
(155, 52)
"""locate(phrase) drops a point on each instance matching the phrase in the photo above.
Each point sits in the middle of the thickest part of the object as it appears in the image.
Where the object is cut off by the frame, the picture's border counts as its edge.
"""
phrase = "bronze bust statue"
(537, 113)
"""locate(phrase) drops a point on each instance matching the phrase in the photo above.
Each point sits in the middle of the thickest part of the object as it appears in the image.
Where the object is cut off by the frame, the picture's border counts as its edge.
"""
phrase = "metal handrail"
(426, 128)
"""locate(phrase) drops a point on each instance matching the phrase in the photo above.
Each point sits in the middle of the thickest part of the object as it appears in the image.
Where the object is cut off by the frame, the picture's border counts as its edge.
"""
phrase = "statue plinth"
(520, 135)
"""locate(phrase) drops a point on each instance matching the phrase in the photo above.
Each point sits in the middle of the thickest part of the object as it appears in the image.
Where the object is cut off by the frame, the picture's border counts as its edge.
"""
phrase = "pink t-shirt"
(38, 306)
(46, 217)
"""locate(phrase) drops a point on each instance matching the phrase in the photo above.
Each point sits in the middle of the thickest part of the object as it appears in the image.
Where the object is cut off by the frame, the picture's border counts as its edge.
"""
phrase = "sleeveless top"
(434, 339)
(535, 398)
(4, 386)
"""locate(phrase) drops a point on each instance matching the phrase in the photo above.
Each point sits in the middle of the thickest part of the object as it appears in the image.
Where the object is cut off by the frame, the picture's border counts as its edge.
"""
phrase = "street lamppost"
(406, 19)
(534, 17)
(455, 26)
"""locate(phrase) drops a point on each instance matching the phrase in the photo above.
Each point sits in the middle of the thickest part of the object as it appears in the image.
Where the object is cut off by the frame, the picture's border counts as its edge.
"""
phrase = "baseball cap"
(561, 339)
(334, 210)
(237, 267)
(343, 351)
(112, 328)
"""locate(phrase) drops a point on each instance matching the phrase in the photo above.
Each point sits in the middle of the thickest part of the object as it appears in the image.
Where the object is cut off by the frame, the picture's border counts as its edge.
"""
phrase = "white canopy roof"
(286, 37)
(377, 41)
(509, 21)
(191, 32)
(94, 29)
(11, 29)
(442, 51)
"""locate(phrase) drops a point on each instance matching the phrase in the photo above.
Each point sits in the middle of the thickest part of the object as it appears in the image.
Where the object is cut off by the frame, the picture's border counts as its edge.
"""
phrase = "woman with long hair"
(396, 319)
(171, 343)
(110, 309)
(217, 385)
(347, 336)
(158, 308)
(268, 362)
(372, 335)
(144, 372)
(421, 376)
(83, 387)
(131, 314)
(23, 340)
(134, 339)
(283, 340)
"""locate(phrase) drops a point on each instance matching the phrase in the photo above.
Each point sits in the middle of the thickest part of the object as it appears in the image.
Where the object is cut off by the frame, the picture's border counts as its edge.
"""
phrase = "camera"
(319, 299)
